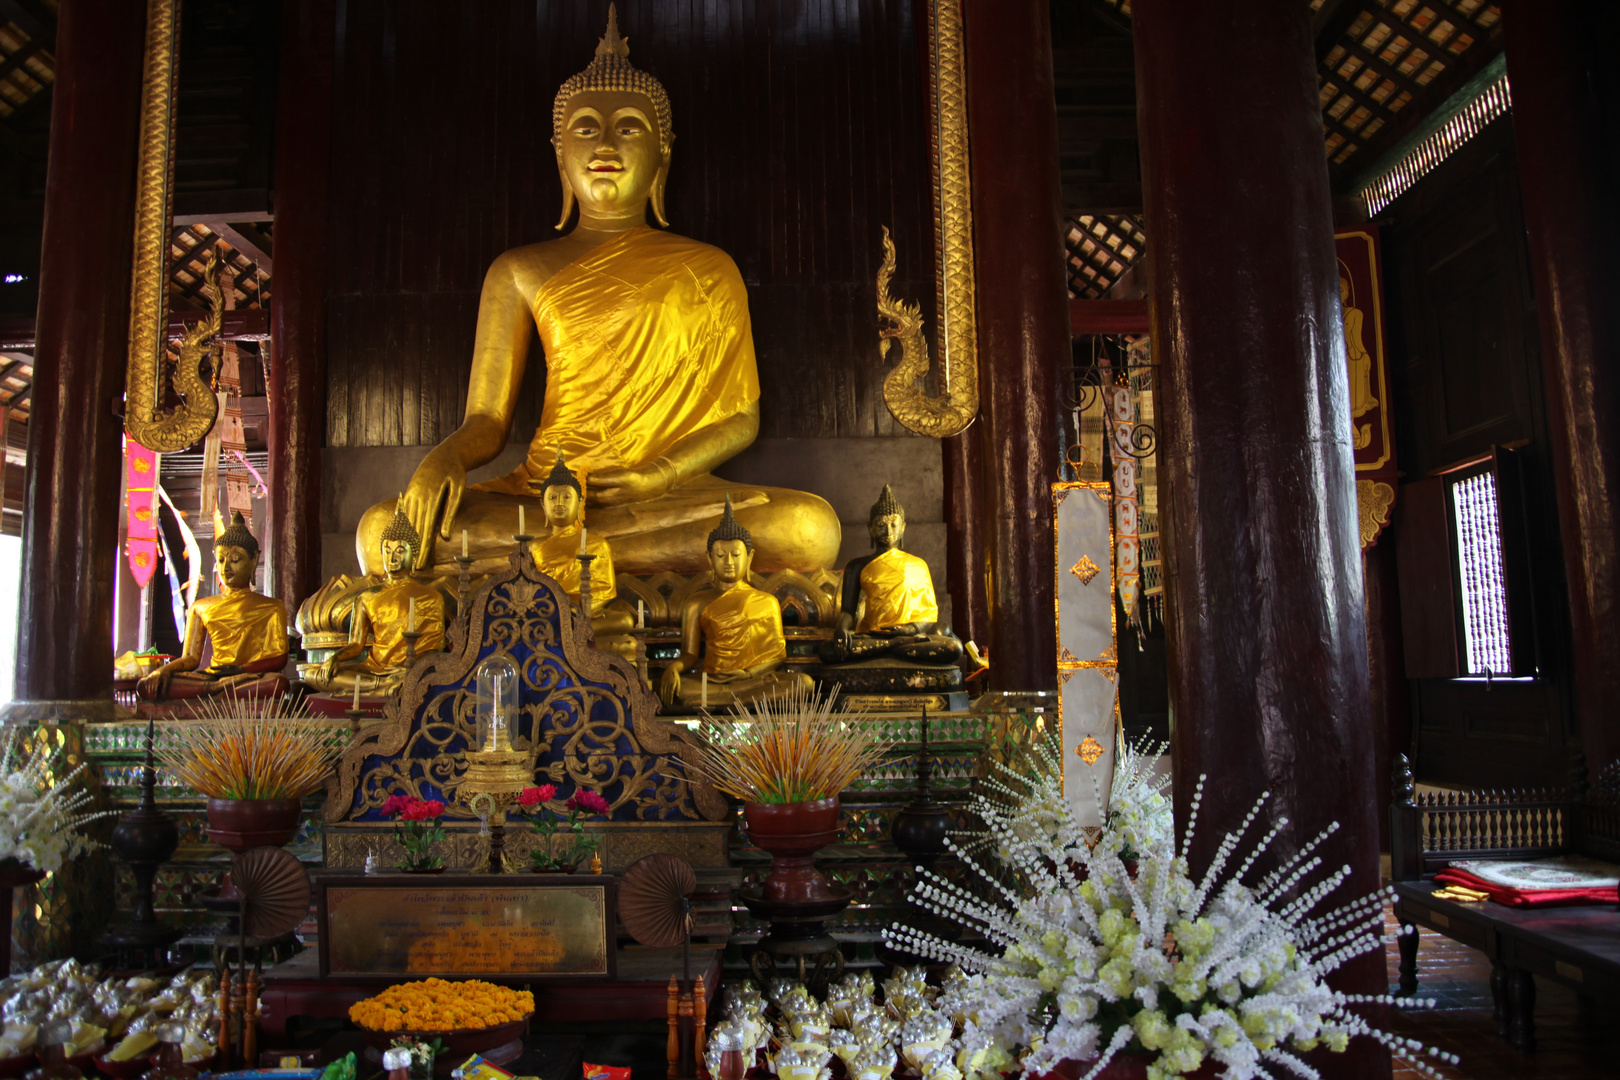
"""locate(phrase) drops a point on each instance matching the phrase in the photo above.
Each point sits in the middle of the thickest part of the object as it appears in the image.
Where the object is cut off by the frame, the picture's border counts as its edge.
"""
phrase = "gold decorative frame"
(905, 391)
(417, 745)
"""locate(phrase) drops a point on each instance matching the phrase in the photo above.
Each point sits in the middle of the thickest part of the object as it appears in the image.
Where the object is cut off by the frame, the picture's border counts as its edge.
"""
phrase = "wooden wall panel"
(1465, 376)
(799, 133)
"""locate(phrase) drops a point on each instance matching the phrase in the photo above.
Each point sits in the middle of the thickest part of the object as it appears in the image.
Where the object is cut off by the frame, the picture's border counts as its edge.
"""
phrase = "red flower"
(394, 804)
(420, 810)
(531, 797)
(588, 801)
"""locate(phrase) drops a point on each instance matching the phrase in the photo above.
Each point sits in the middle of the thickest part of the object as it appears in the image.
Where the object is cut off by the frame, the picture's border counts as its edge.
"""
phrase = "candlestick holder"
(355, 716)
(523, 540)
(411, 638)
(920, 831)
(585, 561)
(463, 582)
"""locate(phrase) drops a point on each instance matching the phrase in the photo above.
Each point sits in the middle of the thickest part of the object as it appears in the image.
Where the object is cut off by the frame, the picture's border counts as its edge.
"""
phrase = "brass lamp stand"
(494, 775)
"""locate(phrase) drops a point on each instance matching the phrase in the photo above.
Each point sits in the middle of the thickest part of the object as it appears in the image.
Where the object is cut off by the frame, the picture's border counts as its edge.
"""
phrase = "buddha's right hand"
(669, 683)
(438, 481)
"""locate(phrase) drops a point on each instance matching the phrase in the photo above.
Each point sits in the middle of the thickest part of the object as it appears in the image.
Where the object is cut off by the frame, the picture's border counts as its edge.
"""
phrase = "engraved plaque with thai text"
(466, 926)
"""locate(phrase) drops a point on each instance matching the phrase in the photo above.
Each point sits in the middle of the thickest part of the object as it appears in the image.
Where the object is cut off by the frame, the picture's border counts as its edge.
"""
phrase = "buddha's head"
(731, 549)
(886, 522)
(400, 544)
(561, 496)
(236, 555)
(612, 132)
(1344, 290)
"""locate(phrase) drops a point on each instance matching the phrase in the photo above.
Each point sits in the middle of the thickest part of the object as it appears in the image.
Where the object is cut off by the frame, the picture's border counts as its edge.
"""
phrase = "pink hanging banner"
(140, 500)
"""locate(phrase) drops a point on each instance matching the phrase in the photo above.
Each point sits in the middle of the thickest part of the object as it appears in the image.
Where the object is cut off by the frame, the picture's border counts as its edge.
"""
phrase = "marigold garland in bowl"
(439, 1005)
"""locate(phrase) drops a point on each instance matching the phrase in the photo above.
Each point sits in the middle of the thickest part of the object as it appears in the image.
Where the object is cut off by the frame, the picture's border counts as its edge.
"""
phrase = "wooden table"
(295, 988)
(1577, 947)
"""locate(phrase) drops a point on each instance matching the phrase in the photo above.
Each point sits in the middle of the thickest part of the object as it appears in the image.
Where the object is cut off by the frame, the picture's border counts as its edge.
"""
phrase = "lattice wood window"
(1393, 49)
(189, 248)
(1101, 247)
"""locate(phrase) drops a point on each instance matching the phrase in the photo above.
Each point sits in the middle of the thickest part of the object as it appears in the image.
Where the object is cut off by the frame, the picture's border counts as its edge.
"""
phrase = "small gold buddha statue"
(901, 614)
(651, 380)
(735, 634)
(557, 554)
(375, 657)
(246, 632)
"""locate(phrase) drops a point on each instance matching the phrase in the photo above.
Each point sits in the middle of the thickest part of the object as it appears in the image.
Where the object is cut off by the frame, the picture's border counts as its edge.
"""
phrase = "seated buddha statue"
(375, 657)
(557, 554)
(246, 632)
(735, 634)
(901, 613)
(651, 380)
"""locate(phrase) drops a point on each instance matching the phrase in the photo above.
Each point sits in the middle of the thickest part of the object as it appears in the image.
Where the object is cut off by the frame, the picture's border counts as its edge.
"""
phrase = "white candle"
(357, 695)
(704, 701)
(412, 626)
(641, 615)
(521, 530)
(463, 543)
(582, 539)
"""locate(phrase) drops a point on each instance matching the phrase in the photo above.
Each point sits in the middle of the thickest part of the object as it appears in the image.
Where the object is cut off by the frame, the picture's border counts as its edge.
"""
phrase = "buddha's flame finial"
(730, 528)
(612, 44)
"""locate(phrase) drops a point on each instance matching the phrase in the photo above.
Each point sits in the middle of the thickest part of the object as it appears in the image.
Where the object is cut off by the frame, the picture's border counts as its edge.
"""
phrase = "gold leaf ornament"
(1090, 750)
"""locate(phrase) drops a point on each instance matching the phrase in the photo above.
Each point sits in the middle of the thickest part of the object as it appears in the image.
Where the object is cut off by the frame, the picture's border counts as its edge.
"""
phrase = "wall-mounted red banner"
(140, 502)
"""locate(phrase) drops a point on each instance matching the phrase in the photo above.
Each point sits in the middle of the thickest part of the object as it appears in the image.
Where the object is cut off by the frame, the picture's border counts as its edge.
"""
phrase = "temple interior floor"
(1574, 1041)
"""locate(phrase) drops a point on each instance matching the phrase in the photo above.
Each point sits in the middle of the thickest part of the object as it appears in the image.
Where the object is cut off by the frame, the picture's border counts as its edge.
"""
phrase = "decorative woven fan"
(654, 900)
(275, 891)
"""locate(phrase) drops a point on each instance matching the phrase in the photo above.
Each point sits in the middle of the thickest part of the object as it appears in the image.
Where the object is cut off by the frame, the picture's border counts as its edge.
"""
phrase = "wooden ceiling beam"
(18, 59)
(1331, 22)
(34, 18)
(246, 239)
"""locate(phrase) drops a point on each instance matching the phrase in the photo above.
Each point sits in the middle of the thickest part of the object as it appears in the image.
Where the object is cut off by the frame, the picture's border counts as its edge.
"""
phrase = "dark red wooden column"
(1267, 636)
(70, 527)
(1023, 325)
(1565, 97)
(296, 387)
(964, 530)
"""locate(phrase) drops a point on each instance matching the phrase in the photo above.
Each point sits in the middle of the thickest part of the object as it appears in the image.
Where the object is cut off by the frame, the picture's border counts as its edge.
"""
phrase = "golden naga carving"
(170, 430)
(905, 390)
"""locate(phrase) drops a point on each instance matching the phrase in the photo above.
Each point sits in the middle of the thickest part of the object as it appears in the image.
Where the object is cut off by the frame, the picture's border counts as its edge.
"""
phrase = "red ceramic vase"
(240, 825)
(793, 833)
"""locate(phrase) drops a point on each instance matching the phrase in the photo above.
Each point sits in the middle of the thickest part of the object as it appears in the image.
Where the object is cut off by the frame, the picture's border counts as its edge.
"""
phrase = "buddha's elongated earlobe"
(657, 198)
(567, 193)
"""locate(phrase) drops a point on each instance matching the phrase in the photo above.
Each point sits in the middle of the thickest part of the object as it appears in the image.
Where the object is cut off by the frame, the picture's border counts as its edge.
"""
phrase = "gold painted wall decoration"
(1361, 295)
(905, 389)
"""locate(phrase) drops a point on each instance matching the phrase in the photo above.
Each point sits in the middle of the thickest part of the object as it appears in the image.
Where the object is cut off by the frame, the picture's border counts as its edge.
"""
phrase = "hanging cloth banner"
(140, 504)
(1127, 553)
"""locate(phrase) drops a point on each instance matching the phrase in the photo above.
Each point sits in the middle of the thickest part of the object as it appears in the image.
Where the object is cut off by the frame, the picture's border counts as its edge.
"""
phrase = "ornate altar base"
(704, 844)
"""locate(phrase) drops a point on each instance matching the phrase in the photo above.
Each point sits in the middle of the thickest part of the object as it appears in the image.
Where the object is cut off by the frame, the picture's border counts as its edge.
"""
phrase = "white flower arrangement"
(1094, 961)
(40, 812)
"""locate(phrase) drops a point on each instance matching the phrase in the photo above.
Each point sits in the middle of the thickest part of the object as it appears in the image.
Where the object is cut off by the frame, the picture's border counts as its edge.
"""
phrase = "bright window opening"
(1479, 570)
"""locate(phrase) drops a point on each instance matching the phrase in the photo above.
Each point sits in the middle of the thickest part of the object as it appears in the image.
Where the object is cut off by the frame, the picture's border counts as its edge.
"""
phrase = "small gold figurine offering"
(375, 659)
(736, 636)
(901, 613)
(557, 554)
(246, 632)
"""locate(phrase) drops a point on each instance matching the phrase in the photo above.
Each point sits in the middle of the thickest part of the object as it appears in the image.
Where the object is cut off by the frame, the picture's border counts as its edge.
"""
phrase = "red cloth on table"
(1511, 897)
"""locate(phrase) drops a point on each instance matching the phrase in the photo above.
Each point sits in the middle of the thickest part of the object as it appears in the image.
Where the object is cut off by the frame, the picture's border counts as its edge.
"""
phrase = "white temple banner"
(1087, 653)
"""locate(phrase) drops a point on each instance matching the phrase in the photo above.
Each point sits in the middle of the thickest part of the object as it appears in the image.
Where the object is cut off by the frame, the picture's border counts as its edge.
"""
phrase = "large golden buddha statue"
(375, 658)
(245, 632)
(732, 645)
(650, 374)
